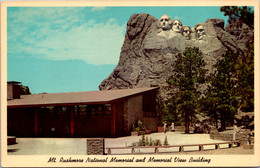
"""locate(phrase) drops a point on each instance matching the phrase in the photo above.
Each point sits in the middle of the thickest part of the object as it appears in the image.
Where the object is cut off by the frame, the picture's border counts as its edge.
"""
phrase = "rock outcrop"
(148, 54)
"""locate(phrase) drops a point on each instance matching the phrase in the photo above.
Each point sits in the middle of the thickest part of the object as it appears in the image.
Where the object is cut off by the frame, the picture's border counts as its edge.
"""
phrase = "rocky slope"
(148, 54)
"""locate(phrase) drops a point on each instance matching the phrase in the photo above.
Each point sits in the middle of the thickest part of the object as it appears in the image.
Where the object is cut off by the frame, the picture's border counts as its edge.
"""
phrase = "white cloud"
(68, 38)
(98, 44)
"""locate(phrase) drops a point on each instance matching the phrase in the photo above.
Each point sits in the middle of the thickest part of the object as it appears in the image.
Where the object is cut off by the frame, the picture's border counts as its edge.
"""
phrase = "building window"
(149, 104)
(92, 110)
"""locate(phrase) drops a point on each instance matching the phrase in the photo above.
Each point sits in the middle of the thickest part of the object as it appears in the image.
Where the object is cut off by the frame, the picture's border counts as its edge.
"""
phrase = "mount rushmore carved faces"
(200, 32)
(177, 26)
(187, 32)
(172, 28)
(165, 22)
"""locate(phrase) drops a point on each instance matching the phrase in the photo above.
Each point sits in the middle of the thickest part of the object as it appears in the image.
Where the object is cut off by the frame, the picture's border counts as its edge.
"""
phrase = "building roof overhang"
(75, 98)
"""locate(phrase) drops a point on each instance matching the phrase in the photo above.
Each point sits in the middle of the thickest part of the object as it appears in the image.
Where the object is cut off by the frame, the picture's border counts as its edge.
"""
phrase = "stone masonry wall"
(96, 146)
(228, 136)
(151, 124)
(132, 112)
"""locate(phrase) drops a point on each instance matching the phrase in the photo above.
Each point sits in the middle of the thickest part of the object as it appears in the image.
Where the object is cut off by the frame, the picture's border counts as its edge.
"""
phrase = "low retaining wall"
(228, 136)
(177, 128)
(96, 146)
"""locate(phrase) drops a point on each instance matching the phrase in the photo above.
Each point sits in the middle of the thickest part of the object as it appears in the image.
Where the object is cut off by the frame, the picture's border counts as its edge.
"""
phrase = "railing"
(181, 147)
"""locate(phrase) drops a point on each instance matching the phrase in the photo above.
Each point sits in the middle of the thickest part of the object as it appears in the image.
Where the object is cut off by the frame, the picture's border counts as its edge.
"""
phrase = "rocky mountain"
(148, 55)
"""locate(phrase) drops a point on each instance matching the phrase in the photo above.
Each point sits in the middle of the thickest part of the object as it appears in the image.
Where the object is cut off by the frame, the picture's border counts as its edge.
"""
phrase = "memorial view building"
(110, 113)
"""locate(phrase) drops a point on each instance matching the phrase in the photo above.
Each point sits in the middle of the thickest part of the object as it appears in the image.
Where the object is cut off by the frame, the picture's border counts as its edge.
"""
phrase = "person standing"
(172, 127)
(219, 126)
(235, 131)
(165, 126)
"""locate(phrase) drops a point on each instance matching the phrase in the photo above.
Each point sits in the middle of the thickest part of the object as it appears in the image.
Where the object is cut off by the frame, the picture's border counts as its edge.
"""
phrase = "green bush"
(146, 141)
(151, 142)
(139, 127)
(165, 143)
(134, 129)
(157, 142)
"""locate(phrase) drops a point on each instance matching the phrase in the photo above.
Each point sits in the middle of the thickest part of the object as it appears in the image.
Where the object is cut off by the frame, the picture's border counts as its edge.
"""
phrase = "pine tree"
(221, 100)
(244, 14)
(189, 72)
(245, 75)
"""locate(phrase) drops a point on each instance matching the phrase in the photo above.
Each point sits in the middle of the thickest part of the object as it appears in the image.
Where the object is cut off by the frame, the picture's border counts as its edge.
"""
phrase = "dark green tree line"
(244, 14)
(221, 100)
(231, 87)
(245, 75)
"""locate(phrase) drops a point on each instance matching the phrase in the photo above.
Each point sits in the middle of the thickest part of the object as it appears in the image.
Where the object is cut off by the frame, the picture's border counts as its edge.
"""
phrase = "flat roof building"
(109, 113)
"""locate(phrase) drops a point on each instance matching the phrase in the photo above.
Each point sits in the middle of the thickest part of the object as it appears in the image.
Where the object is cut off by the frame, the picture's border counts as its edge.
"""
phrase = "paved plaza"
(77, 146)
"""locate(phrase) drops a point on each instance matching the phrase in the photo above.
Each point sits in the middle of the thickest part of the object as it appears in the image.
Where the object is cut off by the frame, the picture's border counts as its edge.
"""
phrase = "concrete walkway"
(77, 146)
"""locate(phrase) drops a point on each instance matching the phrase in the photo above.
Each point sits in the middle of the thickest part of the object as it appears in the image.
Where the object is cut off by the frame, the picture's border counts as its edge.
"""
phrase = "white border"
(41, 160)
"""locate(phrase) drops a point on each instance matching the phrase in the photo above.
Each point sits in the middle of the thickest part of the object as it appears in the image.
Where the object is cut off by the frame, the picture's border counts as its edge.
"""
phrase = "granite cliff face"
(148, 54)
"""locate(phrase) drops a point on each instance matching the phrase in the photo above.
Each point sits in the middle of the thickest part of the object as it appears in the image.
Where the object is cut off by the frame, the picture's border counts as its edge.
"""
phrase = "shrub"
(165, 143)
(146, 141)
(134, 144)
(151, 142)
(139, 127)
(141, 141)
(157, 142)
(134, 129)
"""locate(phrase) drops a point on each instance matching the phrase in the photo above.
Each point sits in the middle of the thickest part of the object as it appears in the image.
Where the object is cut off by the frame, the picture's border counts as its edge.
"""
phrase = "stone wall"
(132, 112)
(13, 91)
(179, 128)
(96, 146)
(151, 124)
(221, 136)
(228, 136)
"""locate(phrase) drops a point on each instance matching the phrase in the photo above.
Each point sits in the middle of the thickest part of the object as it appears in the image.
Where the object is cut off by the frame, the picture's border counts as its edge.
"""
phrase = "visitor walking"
(234, 132)
(165, 126)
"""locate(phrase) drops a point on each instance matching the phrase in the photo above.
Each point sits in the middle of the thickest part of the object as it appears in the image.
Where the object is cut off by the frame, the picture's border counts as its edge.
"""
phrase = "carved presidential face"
(200, 31)
(165, 22)
(186, 32)
(177, 26)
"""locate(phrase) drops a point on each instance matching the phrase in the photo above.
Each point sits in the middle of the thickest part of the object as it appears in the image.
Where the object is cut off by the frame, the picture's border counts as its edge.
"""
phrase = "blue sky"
(70, 49)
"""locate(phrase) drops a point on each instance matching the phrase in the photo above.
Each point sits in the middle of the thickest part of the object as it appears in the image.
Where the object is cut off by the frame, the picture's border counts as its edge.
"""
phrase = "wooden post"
(109, 151)
(72, 124)
(156, 150)
(133, 150)
(230, 145)
(113, 121)
(201, 148)
(181, 149)
(35, 122)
